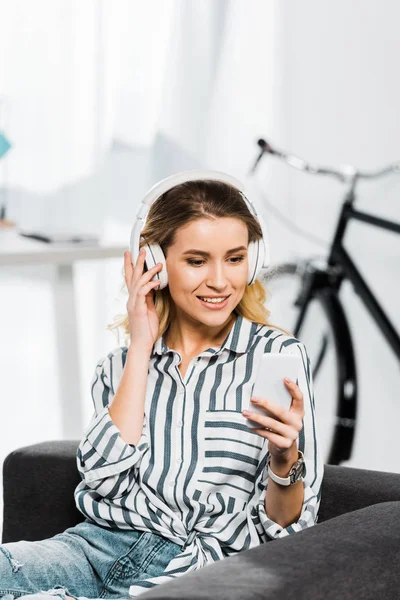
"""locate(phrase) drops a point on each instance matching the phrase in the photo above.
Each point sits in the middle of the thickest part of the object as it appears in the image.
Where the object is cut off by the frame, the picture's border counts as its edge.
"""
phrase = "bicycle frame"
(340, 257)
(324, 284)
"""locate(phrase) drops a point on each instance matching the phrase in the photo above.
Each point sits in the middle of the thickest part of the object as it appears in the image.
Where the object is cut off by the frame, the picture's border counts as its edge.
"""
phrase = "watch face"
(297, 471)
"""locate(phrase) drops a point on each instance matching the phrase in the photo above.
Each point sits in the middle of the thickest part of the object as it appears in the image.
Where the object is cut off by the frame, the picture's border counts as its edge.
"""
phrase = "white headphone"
(258, 251)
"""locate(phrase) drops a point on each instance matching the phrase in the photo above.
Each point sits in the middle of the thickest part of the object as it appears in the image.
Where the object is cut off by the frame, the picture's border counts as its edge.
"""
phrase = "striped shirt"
(198, 474)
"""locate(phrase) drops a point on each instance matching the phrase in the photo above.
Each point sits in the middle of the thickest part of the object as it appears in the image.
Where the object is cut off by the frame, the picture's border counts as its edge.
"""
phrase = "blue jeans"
(86, 561)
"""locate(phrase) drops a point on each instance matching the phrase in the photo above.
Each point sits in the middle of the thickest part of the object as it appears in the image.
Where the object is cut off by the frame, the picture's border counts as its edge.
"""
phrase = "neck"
(191, 339)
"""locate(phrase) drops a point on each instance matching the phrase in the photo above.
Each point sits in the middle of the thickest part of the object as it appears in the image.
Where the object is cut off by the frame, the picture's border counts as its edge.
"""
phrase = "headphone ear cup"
(154, 255)
(255, 260)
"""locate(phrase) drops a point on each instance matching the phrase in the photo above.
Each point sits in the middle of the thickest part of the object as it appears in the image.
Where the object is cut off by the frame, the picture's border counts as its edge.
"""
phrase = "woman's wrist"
(138, 350)
(282, 463)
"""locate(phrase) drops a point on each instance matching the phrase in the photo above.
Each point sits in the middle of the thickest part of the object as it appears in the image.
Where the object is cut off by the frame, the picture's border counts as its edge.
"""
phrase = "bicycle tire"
(338, 447)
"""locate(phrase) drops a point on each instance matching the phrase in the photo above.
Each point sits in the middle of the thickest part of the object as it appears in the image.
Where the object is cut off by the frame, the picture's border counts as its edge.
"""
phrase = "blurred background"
(101, 99)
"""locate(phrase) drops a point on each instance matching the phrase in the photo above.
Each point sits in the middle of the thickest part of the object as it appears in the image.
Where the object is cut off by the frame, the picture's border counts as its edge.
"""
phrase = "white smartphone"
(269, 384)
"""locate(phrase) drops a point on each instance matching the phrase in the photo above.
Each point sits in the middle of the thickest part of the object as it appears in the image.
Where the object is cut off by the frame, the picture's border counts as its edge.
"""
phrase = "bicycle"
(316, 300)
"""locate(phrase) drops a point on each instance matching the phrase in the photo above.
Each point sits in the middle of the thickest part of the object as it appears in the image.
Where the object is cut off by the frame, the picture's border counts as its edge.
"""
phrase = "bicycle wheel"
(326, 336)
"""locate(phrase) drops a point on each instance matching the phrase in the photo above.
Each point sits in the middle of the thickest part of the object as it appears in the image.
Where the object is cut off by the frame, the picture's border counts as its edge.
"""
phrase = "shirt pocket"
(230, 454)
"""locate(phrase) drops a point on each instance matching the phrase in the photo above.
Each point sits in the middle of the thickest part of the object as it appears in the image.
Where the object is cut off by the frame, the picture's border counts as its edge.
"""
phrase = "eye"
(238, 259)
(198, 262)
(194, 263)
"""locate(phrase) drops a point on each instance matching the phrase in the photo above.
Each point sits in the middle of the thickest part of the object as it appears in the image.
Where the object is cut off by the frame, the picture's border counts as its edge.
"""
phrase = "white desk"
(17, 250)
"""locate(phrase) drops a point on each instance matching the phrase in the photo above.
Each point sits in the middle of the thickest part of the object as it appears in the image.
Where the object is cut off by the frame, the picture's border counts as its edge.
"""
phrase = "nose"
(216, 277)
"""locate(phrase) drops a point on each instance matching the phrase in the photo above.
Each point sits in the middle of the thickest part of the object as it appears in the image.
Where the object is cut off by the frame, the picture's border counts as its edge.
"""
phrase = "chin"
(217, 317)
(214, 318)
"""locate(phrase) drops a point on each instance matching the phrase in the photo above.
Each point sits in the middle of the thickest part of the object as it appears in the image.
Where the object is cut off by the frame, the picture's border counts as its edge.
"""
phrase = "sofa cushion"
(352, 556)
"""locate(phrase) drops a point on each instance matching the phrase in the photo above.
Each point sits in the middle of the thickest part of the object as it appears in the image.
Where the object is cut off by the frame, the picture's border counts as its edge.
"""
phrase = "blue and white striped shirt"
(197, 475)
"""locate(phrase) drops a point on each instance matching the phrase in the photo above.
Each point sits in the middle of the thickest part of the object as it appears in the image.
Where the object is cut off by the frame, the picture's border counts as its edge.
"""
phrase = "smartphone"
(269, 384)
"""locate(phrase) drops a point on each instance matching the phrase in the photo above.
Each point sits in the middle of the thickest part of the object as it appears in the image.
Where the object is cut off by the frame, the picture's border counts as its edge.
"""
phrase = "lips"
(213, 297)
(213, 305)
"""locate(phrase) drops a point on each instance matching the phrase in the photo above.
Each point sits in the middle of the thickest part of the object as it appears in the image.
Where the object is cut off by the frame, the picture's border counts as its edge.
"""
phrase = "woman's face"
(208, 261)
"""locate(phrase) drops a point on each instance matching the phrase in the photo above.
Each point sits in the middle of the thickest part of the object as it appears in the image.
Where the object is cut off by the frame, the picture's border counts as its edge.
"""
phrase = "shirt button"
(171, 484)
(178, 460)
(180, 424)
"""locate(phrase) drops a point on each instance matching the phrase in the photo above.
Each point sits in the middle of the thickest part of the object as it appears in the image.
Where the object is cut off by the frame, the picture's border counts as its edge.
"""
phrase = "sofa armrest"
(38, 483)
(345, 489)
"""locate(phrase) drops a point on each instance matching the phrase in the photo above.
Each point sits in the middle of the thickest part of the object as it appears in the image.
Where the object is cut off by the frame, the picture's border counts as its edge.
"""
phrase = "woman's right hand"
(142, 315)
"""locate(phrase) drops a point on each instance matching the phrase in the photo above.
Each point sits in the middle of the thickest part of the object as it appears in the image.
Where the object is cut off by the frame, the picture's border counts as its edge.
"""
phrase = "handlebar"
(346, 174)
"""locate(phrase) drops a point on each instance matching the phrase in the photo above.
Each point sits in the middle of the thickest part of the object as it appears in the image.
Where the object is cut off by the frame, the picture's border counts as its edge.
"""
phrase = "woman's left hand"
(284, 426)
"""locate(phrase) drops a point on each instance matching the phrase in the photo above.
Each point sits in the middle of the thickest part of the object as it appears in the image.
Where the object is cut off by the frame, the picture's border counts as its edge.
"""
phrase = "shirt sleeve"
(103, 457)
(307, 443)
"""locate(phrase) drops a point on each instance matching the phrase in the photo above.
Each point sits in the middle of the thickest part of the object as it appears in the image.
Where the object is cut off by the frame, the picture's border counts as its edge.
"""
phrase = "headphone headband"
(192, 175)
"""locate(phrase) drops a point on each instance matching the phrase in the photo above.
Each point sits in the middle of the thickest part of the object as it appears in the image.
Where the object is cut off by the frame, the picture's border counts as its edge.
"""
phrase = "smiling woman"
(172, 478)
(194, 224)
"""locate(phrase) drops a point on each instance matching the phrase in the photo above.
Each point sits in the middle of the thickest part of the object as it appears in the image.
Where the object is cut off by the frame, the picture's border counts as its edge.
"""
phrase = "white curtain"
(78, 75)
(48, 77)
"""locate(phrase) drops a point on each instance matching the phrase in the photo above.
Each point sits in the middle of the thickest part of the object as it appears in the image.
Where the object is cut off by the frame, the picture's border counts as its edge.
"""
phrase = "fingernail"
(286, 380)
(245, 412)
(255, 400)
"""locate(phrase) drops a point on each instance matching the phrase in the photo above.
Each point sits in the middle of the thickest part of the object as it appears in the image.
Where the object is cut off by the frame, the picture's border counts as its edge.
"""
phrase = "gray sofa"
(336, 559)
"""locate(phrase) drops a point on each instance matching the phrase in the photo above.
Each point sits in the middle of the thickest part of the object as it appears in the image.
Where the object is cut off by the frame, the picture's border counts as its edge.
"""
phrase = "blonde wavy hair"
(174, 209)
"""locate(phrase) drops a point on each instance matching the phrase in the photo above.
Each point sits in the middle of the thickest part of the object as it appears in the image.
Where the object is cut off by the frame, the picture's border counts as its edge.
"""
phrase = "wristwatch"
(295, 474)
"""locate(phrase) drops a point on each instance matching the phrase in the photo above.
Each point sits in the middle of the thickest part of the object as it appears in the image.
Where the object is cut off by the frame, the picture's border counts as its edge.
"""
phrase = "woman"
(172, 477)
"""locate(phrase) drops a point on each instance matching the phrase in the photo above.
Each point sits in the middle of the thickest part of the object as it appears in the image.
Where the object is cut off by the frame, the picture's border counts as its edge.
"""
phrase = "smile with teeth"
(213, 300)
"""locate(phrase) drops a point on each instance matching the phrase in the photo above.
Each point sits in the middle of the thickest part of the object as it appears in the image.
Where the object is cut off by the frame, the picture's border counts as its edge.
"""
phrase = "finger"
(148, 275)
(139, 266)
(276, 410)
(146, 289)
(289, 417)
(143, 299)
(133, 274)
(282, 429)
(278, 440)
(128, 260)
(128, 268)
(297, 396)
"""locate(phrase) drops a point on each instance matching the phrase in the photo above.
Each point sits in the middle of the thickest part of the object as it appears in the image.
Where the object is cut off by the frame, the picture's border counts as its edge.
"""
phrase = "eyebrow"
(202, 253)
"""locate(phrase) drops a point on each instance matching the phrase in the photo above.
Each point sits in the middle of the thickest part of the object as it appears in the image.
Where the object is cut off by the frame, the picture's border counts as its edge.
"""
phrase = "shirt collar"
(238, 339)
